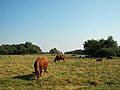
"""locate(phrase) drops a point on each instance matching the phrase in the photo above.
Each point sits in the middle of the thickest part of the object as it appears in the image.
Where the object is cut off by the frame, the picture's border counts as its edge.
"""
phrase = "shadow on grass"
(24, 77)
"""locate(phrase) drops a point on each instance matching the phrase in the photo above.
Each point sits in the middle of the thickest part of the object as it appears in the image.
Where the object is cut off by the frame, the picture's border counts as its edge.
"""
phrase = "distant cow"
(99, 59)
(40, 63)
(109, 57)
(59, 57)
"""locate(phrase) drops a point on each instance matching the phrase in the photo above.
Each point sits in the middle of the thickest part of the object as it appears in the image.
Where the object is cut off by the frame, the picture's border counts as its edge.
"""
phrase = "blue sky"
(61, 24)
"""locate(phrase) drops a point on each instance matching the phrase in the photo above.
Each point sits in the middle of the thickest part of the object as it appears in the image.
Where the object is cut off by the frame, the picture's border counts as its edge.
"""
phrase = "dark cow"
(109, 57)
(59, 57)
(40, 63)
(99, 59)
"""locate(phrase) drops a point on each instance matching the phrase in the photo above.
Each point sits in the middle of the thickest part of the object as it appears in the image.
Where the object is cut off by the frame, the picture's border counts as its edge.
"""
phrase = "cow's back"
(59, 57)
(40, 63)
(62, 56)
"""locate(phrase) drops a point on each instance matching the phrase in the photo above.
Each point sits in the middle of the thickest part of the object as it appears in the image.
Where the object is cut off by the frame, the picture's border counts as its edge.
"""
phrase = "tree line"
(79, 51)
(27, 48)
(92, 48)
(99, 48)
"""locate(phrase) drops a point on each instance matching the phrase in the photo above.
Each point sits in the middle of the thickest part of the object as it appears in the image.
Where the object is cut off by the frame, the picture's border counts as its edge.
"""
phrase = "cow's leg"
(38, 74)
(45, 69)
(40, 71)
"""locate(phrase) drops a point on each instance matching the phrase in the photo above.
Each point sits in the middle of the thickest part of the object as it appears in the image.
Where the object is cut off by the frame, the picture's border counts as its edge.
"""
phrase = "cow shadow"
(24, 77)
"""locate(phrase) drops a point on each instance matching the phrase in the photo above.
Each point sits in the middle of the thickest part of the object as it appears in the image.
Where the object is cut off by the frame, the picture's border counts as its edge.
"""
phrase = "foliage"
(80, 51)
(91, 46)
(73, 74)
(27, 48)
(101, 48)
(105, 52)
(54, 51)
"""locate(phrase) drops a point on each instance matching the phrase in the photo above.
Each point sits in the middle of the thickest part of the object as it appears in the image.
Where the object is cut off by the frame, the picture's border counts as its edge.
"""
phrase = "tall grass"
(73, 74)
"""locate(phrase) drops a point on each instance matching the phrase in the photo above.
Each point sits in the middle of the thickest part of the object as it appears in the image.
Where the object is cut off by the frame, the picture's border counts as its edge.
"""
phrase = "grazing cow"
(40, 63)
(109, 57)
(59, 57)
(99, 59)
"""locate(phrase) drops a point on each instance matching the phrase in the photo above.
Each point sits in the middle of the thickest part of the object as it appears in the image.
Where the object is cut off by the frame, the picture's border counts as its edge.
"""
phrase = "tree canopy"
(101, 48)
(54, 51)
(27, 48)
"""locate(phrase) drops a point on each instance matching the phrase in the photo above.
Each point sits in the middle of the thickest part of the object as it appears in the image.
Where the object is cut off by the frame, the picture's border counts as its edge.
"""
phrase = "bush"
(105, 52)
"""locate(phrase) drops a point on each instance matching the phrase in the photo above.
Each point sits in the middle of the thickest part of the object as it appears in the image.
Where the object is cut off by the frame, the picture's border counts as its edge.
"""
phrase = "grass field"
(73, 74)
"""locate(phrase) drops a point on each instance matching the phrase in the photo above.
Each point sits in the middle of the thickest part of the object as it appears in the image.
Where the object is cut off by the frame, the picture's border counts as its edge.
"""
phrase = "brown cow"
(40, 63)
(59, 57)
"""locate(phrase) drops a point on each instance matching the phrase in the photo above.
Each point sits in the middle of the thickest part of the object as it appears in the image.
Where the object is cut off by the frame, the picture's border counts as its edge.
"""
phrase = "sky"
(61, 24)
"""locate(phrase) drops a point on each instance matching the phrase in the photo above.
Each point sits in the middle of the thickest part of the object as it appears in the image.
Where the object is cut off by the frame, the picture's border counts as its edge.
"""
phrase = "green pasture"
(73, 74)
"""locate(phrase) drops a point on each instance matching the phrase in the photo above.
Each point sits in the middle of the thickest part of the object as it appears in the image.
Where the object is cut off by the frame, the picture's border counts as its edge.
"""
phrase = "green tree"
(20, 49)
(3, 50)
(110, 43)
(118, 52)
(54, 51)
(101, 48)
(27, 48)
(105, 52)
(91, 46)
(35, 50)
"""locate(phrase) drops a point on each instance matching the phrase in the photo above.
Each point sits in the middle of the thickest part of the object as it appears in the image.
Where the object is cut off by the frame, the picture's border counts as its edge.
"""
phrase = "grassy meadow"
(73, 74)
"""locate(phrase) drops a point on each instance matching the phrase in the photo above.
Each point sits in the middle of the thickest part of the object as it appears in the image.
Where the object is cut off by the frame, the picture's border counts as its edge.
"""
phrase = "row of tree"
(99, 48)
(80, 51)
(92, 48)
(27, 48)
